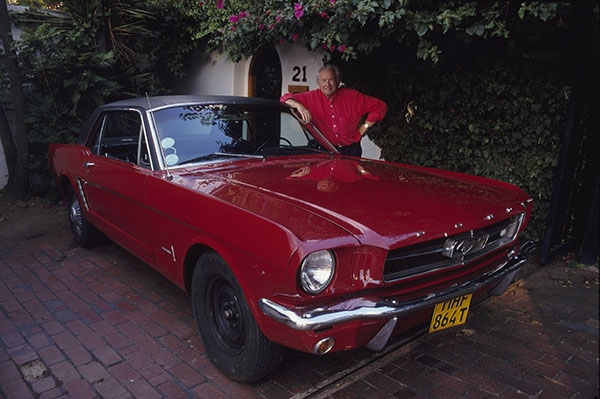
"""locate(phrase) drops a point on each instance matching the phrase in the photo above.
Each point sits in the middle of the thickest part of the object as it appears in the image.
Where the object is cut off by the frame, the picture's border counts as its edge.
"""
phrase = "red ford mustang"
(280, 240)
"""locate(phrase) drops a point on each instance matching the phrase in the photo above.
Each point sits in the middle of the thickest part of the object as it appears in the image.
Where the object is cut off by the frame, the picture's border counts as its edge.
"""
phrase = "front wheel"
(231, 337)
(85, 234)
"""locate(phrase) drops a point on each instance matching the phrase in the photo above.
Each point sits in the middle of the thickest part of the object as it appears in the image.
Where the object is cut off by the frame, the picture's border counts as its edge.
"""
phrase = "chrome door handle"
(88, 165)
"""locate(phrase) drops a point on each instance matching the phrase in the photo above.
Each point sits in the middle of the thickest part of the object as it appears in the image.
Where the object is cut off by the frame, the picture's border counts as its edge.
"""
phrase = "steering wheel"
(289, 143)
(261, 147)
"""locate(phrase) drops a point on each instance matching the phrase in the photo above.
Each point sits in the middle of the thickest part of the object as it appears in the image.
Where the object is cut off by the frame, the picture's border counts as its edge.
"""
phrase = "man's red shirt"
(338, 117)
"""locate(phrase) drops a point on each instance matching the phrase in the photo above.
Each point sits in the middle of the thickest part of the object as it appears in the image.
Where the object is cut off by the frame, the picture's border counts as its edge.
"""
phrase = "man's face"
(327, 83)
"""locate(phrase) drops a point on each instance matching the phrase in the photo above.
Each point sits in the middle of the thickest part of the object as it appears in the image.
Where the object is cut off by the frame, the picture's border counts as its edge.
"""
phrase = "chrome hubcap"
(76, 217)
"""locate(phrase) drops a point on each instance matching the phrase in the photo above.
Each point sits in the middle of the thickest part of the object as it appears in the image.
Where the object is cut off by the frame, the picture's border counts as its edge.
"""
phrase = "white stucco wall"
(218, 76)
(297, 61)
(213, 77)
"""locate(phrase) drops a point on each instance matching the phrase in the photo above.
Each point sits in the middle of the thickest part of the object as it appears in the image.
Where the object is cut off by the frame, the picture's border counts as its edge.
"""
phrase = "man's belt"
(342, 148)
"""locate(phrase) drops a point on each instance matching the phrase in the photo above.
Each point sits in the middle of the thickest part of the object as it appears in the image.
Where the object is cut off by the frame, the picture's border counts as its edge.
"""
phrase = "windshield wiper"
(218, 155)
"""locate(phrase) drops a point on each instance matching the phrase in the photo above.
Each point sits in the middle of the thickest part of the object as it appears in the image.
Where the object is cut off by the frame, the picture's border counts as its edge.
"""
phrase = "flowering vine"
(262, 23)
(350, 27)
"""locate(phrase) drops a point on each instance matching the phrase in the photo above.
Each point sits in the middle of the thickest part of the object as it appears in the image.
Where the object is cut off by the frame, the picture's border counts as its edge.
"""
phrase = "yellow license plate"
(450, 313)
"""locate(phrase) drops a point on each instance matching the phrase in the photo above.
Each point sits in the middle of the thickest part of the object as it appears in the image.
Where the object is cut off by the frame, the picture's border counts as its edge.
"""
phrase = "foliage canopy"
(357, 27)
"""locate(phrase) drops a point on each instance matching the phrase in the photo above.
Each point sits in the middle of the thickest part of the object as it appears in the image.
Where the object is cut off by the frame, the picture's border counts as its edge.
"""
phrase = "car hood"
(380, 203)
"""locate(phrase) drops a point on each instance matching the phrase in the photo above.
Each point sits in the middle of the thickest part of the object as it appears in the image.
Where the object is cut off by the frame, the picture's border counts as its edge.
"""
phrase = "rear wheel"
(231, 337)
(85, 234)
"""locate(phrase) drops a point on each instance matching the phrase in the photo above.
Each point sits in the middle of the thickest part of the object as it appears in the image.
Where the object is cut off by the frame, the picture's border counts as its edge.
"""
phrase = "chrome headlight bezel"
(317, 271)
(510, 232)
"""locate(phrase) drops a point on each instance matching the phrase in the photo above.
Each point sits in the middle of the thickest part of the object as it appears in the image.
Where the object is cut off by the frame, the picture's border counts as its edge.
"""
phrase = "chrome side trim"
(82, 195)
(374, 307)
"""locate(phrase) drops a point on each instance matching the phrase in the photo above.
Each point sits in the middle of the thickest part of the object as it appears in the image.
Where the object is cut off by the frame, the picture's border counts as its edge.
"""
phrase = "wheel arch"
(65, 185)
(196, 250)
(189, 263)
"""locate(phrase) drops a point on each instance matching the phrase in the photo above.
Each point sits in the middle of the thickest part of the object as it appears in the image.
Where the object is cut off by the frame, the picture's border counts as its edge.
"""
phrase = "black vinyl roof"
(149, 103)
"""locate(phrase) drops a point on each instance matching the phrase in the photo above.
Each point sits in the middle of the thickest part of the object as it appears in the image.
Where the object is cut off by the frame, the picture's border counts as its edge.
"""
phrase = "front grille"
(436, 255)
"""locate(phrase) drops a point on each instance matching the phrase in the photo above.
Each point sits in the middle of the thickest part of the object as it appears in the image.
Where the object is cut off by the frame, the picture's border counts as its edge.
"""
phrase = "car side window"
(120, 135)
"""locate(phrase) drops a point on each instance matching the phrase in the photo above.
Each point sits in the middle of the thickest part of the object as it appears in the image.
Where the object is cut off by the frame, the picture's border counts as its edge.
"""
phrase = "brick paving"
(78, 323)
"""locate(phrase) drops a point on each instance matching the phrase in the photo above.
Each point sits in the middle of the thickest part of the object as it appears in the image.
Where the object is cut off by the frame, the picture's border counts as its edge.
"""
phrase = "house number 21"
(299, 74)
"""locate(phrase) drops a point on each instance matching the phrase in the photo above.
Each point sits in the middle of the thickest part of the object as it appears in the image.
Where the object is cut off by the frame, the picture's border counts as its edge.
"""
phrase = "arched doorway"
(264, 78)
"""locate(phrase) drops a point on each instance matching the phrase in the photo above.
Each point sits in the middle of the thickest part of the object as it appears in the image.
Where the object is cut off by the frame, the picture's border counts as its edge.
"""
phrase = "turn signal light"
(323, 346)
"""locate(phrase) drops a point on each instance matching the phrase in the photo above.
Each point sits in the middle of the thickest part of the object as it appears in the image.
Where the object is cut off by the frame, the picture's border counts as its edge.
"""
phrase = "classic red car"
(280, 240)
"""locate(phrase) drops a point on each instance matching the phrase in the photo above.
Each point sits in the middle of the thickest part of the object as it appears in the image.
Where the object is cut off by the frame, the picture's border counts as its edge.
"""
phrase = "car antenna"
(169, 175)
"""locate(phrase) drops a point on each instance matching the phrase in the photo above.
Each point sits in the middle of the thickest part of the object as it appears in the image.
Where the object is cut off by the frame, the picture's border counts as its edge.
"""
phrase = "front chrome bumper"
(374, 307)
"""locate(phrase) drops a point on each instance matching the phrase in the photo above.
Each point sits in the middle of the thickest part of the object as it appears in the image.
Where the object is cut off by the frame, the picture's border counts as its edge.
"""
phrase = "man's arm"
(364, 127)
(302, 110)
(375, 110)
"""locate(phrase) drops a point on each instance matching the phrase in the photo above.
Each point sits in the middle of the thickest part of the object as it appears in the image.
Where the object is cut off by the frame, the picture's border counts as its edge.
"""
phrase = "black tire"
(231, 337)
(84, 233)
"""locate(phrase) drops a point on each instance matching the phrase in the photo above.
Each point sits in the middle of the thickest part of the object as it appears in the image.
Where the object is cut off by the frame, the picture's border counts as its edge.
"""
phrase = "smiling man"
(337, 111)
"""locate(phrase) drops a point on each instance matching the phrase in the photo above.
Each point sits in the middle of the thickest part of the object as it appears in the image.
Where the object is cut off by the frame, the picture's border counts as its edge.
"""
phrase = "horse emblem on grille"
(459, 247)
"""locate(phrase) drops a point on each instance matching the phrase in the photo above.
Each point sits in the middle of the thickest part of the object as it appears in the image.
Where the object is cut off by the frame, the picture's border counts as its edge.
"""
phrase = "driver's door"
(115, 180)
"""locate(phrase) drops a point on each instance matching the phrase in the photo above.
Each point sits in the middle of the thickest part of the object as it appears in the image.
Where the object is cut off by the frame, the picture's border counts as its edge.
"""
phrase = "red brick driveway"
(78, 323)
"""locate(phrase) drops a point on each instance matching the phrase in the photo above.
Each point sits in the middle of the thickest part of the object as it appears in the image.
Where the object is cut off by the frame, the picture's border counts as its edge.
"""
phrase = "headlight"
(509, 233)
(316, 271)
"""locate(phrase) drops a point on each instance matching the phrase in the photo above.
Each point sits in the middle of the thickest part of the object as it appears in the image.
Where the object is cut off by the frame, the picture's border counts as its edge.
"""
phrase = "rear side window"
(120, 135)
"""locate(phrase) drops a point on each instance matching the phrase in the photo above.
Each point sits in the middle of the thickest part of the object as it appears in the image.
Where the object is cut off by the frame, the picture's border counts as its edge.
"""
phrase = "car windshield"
(213, 132)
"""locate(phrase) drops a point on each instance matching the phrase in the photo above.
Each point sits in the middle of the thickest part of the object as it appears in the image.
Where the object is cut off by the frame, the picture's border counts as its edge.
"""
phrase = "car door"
(115, 179)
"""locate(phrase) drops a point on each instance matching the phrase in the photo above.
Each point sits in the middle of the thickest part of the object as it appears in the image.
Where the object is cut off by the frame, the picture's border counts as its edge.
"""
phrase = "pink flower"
(200, 3)
(271, 26)
(278, 18)
(324, 15)
(219, 3)
(332, 47)
(282, 41)
(342, 48)
(294, 37)
(242, 14)
(299, 10)
(332, 2)
(268, 12)
(234, 19)
(261, 26)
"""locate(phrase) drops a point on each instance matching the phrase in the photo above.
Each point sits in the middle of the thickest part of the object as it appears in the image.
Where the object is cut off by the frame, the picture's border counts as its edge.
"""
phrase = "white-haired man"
(337, 111)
